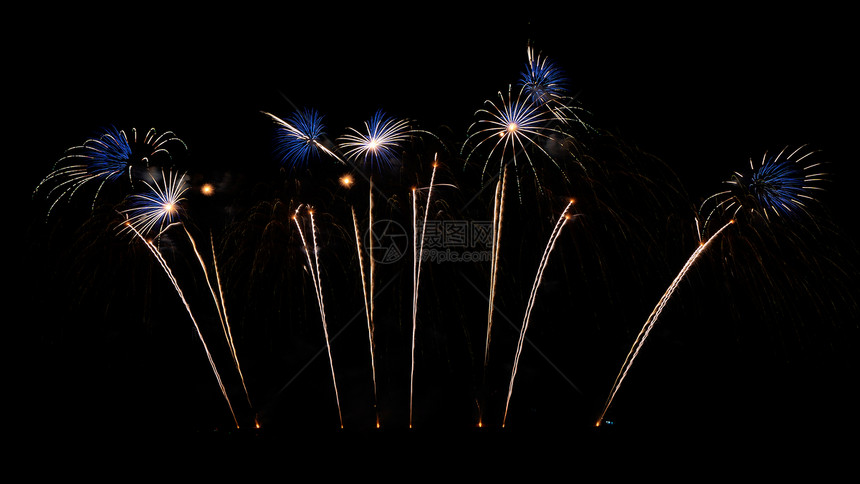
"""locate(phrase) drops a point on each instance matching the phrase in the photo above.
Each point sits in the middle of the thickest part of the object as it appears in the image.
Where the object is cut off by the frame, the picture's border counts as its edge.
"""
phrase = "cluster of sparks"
(157, 208)
(376, 147)
(512, 131)
(512, 127)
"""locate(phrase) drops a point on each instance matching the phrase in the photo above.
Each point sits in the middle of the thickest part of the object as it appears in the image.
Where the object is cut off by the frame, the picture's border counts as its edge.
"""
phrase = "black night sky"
(760, 339)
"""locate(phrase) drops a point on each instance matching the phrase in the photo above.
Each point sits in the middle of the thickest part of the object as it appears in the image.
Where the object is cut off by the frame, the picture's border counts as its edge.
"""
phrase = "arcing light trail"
(228, 332)
(220, 307)
(169, 273)
(417, 256)
(314, 269)
(368, 304)
(652, 319)
(498, 210)
(562, 220)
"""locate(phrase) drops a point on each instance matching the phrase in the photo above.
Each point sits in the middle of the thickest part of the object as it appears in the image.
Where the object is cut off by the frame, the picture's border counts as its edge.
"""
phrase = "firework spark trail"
(415, 264)
(229, 333)
(498, 210)
(322, 313)
(307, 253)
(175, 283)
(652, 319)
(366, 311)
(417, 255)
(314, 267)
(371, 277)
(220, 308)
(562, 220)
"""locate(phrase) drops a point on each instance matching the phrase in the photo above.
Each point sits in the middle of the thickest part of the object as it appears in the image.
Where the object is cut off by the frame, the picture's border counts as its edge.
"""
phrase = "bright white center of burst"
(512, 127)
(372, 144)
(169, 207)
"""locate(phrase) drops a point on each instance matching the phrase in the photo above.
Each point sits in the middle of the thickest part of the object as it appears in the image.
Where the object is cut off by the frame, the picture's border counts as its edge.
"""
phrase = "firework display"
(328, 228)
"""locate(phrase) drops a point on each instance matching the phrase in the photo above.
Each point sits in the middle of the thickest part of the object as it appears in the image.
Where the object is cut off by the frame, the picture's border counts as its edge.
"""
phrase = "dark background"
(701, 89)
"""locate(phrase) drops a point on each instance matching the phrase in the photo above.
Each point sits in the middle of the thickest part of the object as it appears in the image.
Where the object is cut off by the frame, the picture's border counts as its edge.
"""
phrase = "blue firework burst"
(98, 160)
(298, 137)
(103, 159)
(379, 145)
(543, 80)
(782, 185)
(777, 186)
(108, 155)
